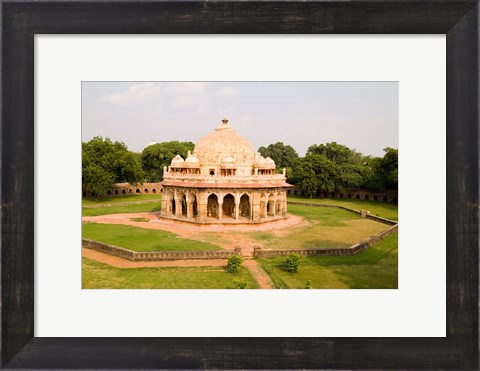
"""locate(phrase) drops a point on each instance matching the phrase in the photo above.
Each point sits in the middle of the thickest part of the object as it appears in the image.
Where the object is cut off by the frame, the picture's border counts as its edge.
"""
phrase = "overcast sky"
(361, 115)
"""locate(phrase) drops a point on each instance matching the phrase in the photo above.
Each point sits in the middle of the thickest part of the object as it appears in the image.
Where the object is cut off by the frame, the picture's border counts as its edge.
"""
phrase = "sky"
(360, 115)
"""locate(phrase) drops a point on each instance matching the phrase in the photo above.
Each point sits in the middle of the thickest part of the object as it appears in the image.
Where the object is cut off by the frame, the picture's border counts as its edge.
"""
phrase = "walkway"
(260, 276)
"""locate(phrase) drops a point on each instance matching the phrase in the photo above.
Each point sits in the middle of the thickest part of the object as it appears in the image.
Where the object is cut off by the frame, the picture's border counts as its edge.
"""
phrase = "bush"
(240, 284)
(292, 263)
(308, 285)
(234, 263)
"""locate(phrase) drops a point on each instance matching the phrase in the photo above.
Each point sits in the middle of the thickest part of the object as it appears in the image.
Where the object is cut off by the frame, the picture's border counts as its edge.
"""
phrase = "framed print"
(22, 347)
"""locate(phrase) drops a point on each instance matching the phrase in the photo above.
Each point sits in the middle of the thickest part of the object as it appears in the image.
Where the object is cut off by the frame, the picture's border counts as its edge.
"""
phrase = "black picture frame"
(21, 20)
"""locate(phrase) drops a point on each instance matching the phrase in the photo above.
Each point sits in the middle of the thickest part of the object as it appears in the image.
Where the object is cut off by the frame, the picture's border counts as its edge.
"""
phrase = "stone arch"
(109, 193)
(349, 196)
(137, 191)
(184, 205)
(212, 205)
(367, 197)
(385, 198)
(288, 192)
(146, 190)
(116, 191)
(341, 195)
(193, 201)
(271, 205)
(357, 196)
(123, 192)
(228, 207)
(295, 192)
(375, 198)
(245, 206)
(154, 190)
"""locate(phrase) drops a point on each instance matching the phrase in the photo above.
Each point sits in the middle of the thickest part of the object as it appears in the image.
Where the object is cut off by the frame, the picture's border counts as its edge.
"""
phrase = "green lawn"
(135, 208)
(96, 275)
(142, 239)
(388, 210)
(375, 268)
(326, 228)
(120, 198)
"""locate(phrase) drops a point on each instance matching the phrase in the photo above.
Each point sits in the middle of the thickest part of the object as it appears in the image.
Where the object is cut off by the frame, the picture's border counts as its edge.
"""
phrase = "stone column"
(237, 209)
(189, 209)
(220, 210)
(178, 207)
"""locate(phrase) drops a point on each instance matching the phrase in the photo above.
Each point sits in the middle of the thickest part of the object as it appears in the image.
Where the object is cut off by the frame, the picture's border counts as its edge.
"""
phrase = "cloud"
(140, 93)
(227, 92)
(185, 94)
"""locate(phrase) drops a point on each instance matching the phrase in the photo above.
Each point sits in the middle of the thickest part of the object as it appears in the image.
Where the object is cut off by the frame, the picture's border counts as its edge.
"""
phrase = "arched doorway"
(193, 199)
(184, 205)
(212, 206)
(366, 197)
(271, 205)
(245, 206)
(229, 206)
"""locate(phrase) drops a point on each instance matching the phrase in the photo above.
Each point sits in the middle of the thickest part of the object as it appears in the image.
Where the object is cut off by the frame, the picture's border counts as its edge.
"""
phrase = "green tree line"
(325, 167)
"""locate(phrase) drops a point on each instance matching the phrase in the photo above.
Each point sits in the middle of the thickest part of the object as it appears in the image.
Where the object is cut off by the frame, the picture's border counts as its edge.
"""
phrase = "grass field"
(96, 275)
(326, 228)
(375, 268)
(135, 208)
(120, 198)
(387, 210)
(141, 239)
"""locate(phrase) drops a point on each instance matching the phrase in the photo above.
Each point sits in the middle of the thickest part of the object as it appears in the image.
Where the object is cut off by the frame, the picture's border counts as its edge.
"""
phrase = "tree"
(234, 263)
(156, 156)
(384, 171)
(304, 176)
(239, 284)
(292, 263)
(105, 162)
(283, 155)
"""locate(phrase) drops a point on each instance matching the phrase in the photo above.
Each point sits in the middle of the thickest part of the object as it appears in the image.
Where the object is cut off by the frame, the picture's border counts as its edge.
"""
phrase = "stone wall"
(95, 206)
(358, 194)
(157, 255)
(127, 188)
(345, 251)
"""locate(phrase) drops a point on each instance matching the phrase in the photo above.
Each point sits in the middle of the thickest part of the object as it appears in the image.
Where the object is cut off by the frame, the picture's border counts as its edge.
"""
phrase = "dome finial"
(225, 121)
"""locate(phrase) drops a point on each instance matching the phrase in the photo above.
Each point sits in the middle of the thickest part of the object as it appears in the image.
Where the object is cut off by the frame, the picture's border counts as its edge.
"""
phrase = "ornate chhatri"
(224, 180)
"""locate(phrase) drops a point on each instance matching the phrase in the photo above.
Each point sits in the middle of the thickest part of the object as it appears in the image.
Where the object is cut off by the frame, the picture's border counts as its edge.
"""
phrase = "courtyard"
(137, 227)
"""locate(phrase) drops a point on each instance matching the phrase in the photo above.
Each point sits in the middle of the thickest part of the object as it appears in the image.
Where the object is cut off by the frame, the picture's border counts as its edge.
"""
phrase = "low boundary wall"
(368, 216)
(121, 204)
(157, 255)
(345, 251)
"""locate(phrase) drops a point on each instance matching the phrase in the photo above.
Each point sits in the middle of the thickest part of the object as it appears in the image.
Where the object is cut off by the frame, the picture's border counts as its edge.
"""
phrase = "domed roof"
(224, 141)
(229, 163)
(192, 160)
(264, 163)
(177, 161)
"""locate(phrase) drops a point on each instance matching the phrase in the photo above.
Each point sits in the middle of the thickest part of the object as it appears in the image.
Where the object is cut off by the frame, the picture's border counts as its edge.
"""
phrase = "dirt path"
(262, 278)
(124, 263)
(228, 236)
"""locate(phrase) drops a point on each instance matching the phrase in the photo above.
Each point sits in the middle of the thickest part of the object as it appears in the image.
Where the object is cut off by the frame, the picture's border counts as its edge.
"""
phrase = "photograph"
(240, 185)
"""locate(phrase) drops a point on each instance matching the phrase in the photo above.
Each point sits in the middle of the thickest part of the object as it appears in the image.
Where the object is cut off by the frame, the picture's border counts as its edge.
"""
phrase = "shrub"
(308, 285)
(234, 263)
(240, 284)
(292, 263)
